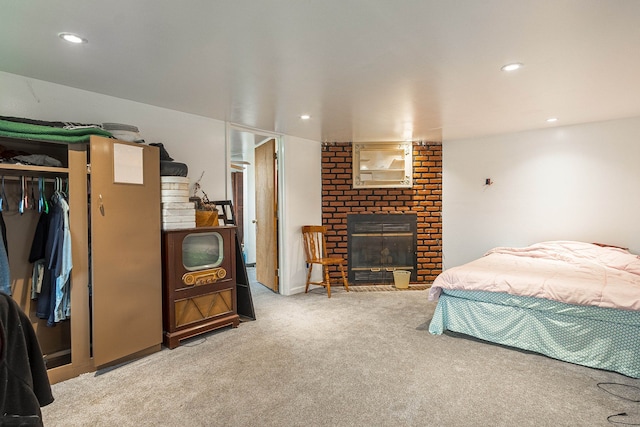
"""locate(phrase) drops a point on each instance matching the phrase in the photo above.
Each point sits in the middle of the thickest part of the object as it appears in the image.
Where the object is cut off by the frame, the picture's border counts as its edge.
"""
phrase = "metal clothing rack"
(26, 198)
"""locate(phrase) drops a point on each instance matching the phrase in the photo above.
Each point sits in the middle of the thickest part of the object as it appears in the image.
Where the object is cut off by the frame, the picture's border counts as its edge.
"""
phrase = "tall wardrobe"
(113, 190)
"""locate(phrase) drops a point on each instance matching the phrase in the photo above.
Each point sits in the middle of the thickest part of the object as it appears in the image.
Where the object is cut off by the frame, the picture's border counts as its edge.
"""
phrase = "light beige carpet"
(355, 359)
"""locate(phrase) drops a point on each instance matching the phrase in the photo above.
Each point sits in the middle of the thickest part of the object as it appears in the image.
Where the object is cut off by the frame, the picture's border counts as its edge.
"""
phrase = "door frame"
(280, 179)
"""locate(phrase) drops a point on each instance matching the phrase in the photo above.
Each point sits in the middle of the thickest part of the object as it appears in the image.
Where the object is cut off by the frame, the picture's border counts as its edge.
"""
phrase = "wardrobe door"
(125, 249)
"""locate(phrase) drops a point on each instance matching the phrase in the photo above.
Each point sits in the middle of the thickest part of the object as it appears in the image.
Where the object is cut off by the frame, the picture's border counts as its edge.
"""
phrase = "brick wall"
(424, 199)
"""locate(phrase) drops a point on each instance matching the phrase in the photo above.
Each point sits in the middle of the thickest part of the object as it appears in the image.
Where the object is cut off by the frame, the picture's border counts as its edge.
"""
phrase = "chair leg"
(344, 278)
(327, 280)
(306, 288)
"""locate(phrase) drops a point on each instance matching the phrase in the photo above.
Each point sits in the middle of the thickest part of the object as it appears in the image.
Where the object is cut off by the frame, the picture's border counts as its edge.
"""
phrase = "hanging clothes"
(3, 232)
(43, 308)
(37, 278)
(37, 251)
(62, 308)
(5, 275)
(55, 296)
(37, 254)
(3, 227)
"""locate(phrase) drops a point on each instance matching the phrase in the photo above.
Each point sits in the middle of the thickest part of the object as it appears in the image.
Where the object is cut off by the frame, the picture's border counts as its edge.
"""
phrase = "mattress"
(572, 272)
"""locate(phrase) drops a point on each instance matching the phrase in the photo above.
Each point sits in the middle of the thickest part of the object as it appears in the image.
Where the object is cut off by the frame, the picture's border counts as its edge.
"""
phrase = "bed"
(573, 301)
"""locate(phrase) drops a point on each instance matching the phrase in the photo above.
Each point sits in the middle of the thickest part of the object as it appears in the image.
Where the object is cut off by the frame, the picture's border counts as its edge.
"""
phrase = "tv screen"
(202, 250)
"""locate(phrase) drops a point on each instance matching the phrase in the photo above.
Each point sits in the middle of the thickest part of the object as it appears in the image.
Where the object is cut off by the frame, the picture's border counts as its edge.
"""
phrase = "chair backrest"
(314, 244)
(225, 211)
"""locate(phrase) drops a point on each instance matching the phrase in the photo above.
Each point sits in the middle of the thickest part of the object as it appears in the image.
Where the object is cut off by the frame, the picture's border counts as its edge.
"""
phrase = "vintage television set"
(199, 283)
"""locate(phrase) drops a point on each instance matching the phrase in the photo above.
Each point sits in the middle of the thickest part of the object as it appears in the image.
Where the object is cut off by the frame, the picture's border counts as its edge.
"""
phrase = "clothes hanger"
(59, 191)
(33, 193)
(43, 205)
(56, 187)
(24, 202)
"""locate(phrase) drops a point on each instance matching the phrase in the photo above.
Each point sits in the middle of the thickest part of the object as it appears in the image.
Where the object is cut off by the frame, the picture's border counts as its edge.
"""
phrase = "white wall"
(563, 183)
(197, 141)
(302, 205)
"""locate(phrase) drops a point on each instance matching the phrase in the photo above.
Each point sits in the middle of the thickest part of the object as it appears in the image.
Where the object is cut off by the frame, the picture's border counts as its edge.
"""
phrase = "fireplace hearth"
(379, 244)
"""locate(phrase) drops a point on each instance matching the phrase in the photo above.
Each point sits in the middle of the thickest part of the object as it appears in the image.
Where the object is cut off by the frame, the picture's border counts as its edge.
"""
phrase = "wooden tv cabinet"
(201, 300)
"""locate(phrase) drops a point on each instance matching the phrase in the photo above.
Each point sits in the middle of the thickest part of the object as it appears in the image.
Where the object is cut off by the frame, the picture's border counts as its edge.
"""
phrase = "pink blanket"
(565, 271)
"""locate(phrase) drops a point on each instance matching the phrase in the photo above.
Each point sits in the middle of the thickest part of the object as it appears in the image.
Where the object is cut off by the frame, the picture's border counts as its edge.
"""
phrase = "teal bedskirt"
(597, 337)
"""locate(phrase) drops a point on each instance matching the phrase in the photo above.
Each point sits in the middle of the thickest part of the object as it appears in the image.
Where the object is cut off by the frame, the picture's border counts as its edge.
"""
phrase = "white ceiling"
(365, 70)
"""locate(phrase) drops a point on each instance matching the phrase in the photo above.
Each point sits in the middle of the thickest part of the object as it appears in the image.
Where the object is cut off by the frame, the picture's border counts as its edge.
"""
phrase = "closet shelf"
(30, 170)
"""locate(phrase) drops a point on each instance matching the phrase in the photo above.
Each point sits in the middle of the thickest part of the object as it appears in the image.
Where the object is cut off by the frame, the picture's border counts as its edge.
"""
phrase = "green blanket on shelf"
(49, 133)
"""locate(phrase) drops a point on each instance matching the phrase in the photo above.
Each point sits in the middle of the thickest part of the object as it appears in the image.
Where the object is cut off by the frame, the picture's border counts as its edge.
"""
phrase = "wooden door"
(266, 215)
(125, 249)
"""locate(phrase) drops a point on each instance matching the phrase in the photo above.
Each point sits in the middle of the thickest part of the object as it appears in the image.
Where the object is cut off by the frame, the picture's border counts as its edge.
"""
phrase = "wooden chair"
(315, 247)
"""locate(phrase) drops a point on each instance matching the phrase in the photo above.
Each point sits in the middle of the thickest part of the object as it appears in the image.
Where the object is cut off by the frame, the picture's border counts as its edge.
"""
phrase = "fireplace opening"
(378, 244)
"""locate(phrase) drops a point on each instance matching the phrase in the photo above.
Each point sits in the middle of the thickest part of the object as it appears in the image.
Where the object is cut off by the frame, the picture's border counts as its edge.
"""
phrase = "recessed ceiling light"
(305, 117)
(511, 67)
(72, 38)
(552, 119)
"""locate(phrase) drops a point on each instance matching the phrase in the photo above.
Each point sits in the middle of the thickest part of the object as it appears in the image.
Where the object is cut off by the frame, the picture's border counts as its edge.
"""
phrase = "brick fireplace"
(424, 199)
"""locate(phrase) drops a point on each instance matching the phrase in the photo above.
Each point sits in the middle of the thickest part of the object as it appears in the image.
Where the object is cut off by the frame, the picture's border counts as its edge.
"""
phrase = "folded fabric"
(119, 126)
(10, 154)
(39, 160)
(15, 129)
(64, 125)
(125, 135)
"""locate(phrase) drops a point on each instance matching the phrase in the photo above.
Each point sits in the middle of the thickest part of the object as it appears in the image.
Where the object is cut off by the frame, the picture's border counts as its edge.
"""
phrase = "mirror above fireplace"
(382, 165)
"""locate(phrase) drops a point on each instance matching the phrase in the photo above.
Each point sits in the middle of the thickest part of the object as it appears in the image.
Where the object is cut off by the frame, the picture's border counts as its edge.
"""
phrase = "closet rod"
(29, 178)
